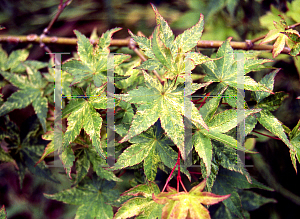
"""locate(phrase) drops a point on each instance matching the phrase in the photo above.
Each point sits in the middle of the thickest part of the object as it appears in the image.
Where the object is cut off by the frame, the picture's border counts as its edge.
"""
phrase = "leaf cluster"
(151, 119)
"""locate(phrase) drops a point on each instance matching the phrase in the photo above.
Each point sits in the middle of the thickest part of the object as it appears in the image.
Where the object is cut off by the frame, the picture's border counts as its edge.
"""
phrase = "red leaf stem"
(266, 135)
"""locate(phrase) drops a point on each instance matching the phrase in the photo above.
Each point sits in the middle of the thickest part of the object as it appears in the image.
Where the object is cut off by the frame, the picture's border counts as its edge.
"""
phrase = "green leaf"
(229, 159)
(295, 130)
(152, 147)
(272, 124)
(3, 214)
(67, 157)
(272, 102)
(18, 100)
(50, 147)
(295, 50)
(268, 81)
(82, 166)
(92, 64)
(15, 58)
(84, 48)
(143, 207)
(164, 103)
(188, 39)
(165, 33)
(227, 182)
(294, 36)
(98, 163)
(40, 106)
(252, 201)
(30, 92)
(272, 35)
(29, 150)
(6, 157)
(144, 44)
(151, 163)
(93, 198)
(203, 147)
(224, 70)
(228, 119)
(3, 59)
(83, 115)
(255, 64)
(161, 52)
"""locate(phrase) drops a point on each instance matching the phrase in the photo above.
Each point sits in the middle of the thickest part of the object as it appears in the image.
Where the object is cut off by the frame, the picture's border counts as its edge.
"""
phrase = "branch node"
(32, 37)
(249, 44)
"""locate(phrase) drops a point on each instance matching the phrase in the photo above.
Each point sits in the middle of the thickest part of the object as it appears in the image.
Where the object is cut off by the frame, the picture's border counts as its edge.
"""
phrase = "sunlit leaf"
(183, 204)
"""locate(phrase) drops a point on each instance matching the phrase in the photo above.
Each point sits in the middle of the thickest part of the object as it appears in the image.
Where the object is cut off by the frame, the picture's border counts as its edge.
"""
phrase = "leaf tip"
(153, 7)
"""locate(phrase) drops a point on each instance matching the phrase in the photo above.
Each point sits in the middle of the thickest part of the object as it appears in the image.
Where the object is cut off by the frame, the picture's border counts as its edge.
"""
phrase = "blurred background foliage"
(242, 20)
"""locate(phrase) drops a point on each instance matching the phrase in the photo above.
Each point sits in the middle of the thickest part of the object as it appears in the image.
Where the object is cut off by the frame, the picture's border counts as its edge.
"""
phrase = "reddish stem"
(204, 100)
(267, 135)
(178, 176)
(195, 172)
(169, 177)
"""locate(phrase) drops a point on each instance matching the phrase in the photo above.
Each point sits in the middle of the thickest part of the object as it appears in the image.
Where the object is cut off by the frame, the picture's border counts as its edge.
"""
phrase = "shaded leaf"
(93, 198)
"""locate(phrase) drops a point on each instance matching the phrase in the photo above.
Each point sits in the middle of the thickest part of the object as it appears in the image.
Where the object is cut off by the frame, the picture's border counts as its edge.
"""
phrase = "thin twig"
(178, 176)
(33, 38)
(293, 26)
(61, 7)
(169, 177)
(258, 38)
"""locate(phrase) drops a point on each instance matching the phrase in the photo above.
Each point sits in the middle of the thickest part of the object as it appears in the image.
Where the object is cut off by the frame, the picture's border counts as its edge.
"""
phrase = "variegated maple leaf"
(187, 204)
(165, 103)
(280, 34)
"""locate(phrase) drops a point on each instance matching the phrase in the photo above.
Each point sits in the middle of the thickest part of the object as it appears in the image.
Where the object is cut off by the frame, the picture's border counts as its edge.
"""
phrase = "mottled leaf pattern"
(224, 69)
(3, 213)
(157, 103)
(182, 204)
(152, 149)
(92, 63)
(272, 124)
(92, 198)
(30, 93)
(83, 115)
(143, 207)
(150, 122)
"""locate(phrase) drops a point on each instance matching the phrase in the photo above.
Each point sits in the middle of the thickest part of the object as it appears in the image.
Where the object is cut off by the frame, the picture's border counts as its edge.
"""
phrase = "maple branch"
(257, 39)
(61, 7)
(33, 38)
